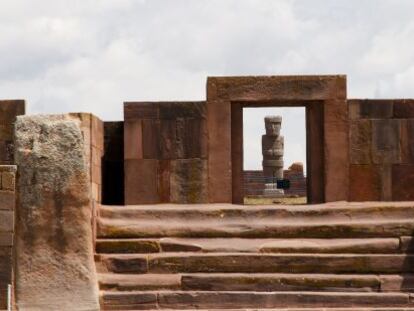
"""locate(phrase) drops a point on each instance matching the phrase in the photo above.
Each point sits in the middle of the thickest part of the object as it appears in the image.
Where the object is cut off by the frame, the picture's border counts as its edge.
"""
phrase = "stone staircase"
(351, 256)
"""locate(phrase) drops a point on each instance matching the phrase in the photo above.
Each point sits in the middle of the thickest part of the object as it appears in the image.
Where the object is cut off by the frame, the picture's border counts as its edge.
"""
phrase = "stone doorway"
(270, 155)
(324, 98)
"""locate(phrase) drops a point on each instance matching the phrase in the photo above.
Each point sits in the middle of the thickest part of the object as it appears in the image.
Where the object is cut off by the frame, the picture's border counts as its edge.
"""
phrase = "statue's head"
(273, 124)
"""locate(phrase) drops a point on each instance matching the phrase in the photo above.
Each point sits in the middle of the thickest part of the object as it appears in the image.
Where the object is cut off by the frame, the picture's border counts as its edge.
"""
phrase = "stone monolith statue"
(272, 150)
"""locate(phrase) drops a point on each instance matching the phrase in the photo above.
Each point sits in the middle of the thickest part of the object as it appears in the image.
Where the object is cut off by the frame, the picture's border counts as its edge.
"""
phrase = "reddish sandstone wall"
(7, 205)
(165, 150)
(381, 150)
(9, 110)
(254, 183)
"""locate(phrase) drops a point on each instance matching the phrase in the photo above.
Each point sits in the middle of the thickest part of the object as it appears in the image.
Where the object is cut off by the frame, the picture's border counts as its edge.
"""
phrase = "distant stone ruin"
(272, 150)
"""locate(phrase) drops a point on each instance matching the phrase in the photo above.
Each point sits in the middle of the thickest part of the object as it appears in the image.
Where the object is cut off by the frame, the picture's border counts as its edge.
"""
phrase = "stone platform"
(337, 256)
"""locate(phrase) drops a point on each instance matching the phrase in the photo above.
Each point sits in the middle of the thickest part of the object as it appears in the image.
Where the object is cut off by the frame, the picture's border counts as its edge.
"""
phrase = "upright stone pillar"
(54, 264)
(272, 150)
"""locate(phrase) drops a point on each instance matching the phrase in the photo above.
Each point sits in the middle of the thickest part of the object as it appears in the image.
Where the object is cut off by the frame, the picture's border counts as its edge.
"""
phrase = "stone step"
(250, 282)
(179, 300)
(202, 212)
(367, 246)
(256, 263)
(255, 228)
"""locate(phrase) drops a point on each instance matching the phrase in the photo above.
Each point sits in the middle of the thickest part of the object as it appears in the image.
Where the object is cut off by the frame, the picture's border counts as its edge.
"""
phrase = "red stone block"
(187, 110)
(376, 109)
(140, 110)
(97, 133)
(404, 108)
(151, 139)
(360, 133)
(169, 143)
(386, 141)
(402, 182)
(141, 181)
(133, 140)
(407, 141)
(7, 200)
(9, 109)
(164, 181)
(365, 183)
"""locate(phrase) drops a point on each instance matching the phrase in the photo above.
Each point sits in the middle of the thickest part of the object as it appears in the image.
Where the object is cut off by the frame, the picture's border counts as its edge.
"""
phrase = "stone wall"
(165, 152)
(381, 150)
(7, 205)
(9, 109)
(254, 183)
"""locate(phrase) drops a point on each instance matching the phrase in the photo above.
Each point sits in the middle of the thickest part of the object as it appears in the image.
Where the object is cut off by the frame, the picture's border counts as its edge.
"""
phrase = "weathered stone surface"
(404, 108)
(360, 142)
(129, 301)
(402, 182)
(188, 181)
(397, 283)
(132, 282)
(6, 239)
(365, 183)
(263, 301)
(407, 244)
(141, 181)
(125, 263)
(127, 246)
(174, 110)
(376, 109)
(6, 221)
(140, 110)
(354, 109)
(386, 141)
(407, 141)
(272, 263)
(280, 282)
(54, 235)
(151, 139)
(133, 140)
(7, 200)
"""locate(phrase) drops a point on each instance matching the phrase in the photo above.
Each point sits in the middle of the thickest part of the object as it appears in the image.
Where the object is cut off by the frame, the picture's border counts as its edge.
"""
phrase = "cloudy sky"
(91, 55)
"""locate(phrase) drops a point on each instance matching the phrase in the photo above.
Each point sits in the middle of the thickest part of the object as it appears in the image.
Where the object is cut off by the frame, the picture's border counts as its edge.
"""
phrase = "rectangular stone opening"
(274, 155)
(311, 115)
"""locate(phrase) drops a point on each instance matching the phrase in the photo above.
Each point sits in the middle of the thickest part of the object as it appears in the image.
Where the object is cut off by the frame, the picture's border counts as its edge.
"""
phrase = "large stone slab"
(188, 181)
(386, 141)
(54, 253)
(365, 183)
(402, 182)
(360, 142)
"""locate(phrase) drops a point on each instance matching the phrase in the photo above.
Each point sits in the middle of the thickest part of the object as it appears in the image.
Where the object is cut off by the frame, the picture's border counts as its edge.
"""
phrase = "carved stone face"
(273, 125)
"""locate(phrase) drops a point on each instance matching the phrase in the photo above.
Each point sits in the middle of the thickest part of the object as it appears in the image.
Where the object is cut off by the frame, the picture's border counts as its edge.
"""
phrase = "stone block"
(354, 109)
(386, 182)
(404, 108)
(151, 139)
(402, 182)
(6, 221)
(140, 110)
(6, 239)
(376, 109)
(175, 110)
(10, 109)
(365, 183)
(141, 182)
(6, 131)
(6, 152)
(407, 141)
(97, 133)
(171, 138)
(164, 181)
(8, 181)
(96, 174)
(386, 141)
(53, 242)
(219, 148)
(188, 181)
(336, 150)
(7, 200)
(133, 140)
(360, 134)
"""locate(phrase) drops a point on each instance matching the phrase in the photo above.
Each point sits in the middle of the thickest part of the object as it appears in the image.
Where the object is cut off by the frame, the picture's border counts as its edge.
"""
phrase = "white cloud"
(91, 55)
